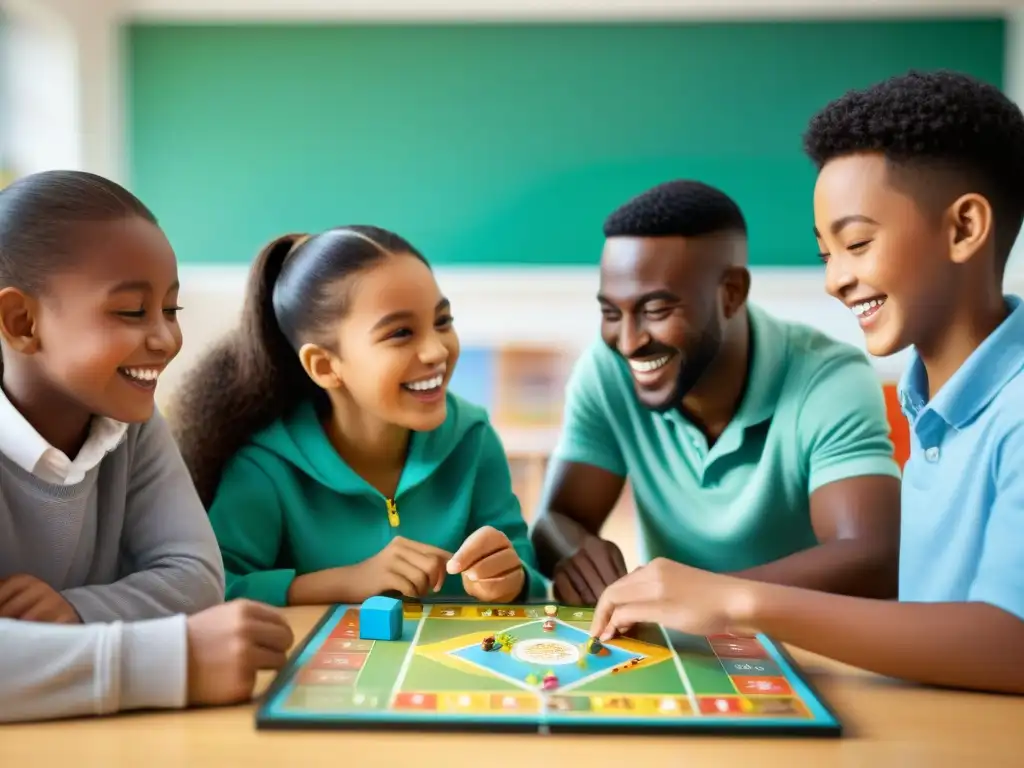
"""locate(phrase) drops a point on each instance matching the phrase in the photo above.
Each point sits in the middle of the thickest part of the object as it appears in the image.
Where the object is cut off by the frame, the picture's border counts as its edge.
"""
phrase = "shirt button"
(932, 454)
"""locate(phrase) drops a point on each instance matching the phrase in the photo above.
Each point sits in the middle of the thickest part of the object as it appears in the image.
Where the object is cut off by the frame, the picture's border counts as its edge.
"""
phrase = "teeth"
(426, 385)
(867, 306)
(646, 366)
(142, 374)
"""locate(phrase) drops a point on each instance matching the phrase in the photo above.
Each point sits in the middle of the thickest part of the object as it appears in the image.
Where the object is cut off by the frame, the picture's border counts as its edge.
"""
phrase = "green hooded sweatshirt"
(287, 504)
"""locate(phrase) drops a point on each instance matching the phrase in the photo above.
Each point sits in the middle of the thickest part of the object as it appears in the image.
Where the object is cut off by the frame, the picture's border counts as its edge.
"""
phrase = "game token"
(487, 644)
(551, 610)
(549, 626)
(594, 645)
(550, 682)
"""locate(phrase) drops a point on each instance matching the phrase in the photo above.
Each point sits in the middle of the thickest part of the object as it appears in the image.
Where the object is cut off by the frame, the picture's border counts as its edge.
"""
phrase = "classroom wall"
(70, 108)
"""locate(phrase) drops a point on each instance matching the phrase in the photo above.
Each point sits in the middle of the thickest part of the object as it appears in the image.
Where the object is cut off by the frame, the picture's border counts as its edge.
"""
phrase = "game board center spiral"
(546, 651)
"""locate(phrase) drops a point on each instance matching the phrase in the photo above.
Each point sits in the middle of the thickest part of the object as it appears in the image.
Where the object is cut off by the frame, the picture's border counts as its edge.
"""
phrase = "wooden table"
(888, 724)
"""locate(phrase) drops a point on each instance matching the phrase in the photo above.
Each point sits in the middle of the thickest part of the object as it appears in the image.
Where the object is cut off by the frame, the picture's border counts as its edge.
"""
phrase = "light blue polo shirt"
(962, 537)
(813, 414)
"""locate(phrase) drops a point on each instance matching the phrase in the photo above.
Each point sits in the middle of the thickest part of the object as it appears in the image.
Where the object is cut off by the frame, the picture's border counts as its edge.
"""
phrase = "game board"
(439, 675)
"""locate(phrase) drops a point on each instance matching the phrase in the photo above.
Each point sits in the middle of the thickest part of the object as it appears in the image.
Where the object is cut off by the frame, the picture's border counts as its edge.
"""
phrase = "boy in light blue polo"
(752, 445)
(919, 198)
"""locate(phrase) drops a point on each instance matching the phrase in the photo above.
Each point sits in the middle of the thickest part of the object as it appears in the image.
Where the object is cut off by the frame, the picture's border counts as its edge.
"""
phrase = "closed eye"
(444, 321)
(859, 246)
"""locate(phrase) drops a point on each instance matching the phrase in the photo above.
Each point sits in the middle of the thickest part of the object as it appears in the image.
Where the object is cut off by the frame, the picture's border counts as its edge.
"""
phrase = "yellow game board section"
(441, 652)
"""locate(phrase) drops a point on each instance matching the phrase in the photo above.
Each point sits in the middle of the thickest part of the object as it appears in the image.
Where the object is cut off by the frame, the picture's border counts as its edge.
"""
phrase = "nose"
(433, 351)
(839, 280)
(631, 336)
(163, 339)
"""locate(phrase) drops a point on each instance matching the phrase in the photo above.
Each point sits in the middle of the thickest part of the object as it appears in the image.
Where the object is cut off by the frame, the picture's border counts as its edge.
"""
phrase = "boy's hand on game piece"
(583, 577)
(491, 569)
(410, 567)
(27, 598)
(228, 644)
(677, 597)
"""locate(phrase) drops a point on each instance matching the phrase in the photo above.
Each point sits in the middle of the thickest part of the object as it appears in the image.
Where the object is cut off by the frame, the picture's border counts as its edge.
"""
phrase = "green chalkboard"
(496, 144)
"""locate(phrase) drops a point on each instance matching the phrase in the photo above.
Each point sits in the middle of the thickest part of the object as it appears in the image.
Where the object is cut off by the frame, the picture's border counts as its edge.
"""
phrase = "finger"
(258, 611)
(498, 565)
(262, 658)
(564, 591)
(13, 586)
(618, 562)
(431, 566)
(420, 578)
(20, 603)
(402, 578)
(491, 589)
(478, 545)
(272, 636)
(40, 610)
(584, 577)
(638, 587)
(426, 549)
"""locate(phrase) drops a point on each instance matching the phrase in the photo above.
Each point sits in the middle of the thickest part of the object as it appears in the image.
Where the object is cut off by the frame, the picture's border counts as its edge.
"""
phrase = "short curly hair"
(939, 119)
(682, 208)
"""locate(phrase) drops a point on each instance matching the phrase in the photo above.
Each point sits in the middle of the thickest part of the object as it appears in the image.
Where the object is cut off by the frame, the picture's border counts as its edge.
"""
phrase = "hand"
(405, 566)
(581, 578)
(227, 645)
(491, 569)
(27, 598)
(677, 597)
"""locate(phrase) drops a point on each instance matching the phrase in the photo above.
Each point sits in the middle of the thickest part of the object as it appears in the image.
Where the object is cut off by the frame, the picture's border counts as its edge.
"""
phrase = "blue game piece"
(380, 618)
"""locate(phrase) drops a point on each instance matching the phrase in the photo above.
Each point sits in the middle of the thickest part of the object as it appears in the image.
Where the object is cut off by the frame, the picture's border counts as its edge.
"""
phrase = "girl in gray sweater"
(99, 519)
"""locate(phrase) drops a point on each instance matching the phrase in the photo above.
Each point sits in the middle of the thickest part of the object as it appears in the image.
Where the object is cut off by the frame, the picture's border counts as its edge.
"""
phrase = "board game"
(535, 668)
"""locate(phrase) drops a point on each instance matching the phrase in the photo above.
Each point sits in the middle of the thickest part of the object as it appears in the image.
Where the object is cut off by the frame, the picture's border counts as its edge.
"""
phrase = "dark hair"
(680, 208)
(934, 120)
(253, 376)
(38, 214)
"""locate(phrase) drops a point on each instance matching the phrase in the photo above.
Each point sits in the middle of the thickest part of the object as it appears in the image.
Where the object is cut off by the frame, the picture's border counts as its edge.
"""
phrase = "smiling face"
(660, 308)
(103, 330)
(397, 347)
(887, 258)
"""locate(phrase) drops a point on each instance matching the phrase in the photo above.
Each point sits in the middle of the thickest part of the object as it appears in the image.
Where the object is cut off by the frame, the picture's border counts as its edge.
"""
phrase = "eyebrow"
(660, 295)
(406, 314)
(129, 286)
(840, 224)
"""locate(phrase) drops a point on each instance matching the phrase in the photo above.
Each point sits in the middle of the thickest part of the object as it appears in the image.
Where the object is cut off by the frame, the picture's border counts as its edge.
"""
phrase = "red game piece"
(550, 683)
(549, 626)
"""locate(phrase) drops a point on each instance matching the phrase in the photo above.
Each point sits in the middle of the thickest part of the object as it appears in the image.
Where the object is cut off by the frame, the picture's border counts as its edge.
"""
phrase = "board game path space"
(471, 666)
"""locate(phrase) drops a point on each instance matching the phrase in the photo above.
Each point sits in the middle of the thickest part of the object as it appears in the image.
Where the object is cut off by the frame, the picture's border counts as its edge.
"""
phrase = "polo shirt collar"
(766, 372)
(997, 360)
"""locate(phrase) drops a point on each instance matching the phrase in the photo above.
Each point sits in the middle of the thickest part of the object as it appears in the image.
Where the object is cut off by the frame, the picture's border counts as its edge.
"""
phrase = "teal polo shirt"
(813, 413)
(962, 537)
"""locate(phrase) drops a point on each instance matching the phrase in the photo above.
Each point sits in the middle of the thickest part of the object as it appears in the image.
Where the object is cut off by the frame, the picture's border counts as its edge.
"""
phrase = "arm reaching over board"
(576, 505)
(913, 641)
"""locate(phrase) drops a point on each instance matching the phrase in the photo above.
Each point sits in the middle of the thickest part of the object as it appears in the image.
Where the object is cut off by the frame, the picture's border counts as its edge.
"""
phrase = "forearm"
(856, 567)
(163, 586)
(53, 671)
(959, 645)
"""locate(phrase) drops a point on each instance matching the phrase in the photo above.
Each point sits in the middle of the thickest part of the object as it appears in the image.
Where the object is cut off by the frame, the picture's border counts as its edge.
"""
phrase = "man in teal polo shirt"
(753, 446)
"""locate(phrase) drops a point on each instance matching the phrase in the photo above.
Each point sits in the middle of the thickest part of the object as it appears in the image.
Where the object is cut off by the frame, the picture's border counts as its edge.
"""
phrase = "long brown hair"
(253, 376)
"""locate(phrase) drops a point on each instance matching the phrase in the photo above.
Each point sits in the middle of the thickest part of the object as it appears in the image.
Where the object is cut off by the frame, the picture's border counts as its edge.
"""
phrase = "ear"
(18, 321)
(735, 288)
(971, 226)
(319, 366)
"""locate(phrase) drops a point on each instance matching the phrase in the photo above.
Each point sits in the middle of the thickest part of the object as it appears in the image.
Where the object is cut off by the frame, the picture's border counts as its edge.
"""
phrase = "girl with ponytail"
(323, 439)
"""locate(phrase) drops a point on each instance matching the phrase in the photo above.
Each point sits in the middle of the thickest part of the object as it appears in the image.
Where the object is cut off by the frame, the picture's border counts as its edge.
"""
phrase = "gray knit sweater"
(130, 542)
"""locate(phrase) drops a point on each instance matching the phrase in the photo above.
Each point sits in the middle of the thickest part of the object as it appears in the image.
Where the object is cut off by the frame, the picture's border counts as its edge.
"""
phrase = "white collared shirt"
(22, 444)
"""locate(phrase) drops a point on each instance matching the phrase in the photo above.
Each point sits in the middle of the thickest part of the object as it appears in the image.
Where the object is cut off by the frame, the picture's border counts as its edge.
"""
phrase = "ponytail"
(253, 376)
(246, 382)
